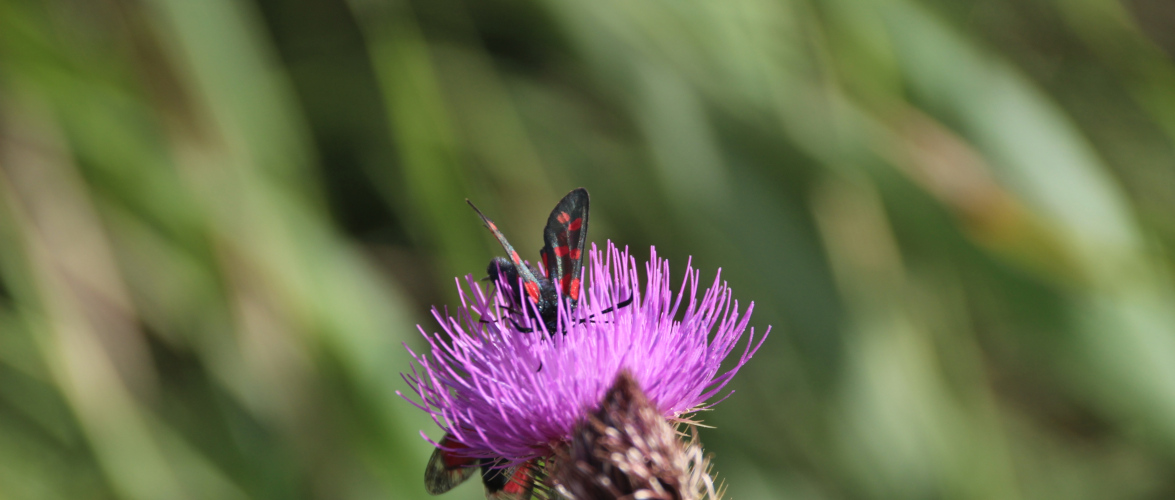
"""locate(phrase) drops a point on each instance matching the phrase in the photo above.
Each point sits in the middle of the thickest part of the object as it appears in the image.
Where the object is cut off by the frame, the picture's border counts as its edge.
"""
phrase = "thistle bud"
(626, 449)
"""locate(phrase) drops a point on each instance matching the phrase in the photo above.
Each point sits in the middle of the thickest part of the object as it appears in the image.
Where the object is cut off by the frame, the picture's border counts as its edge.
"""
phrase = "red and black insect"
(564, 240)
(447, 469)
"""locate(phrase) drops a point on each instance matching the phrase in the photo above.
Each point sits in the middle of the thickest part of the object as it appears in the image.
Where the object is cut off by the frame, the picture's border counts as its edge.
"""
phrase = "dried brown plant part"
(628, 450)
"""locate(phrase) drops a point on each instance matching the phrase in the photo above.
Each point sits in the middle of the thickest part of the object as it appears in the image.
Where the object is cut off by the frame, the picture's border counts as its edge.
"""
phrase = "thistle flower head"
(505, 392)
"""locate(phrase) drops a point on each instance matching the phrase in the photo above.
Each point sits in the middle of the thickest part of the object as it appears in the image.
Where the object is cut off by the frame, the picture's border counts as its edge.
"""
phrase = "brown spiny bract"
(627, 450)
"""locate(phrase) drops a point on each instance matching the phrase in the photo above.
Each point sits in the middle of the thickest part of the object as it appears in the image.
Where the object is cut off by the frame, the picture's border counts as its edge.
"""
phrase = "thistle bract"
(505, 388)
(626, 449)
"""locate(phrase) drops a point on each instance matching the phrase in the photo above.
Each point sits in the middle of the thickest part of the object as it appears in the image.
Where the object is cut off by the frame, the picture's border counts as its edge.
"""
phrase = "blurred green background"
(220, 219)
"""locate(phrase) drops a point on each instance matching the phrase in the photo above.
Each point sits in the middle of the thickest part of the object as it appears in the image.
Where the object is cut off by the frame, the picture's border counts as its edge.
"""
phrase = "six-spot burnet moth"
(447, 469)
(564, 238)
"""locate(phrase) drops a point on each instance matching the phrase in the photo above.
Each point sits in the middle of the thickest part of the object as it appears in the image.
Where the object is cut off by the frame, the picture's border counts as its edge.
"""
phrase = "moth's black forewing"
(565, 239)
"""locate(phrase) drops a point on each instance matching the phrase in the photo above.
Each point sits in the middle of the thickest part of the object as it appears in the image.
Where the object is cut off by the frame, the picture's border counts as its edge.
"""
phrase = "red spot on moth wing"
(563, 217)
(565, 284)
(561, 250)
(573, 290)
(450, 442)
(575, 224)
(575, 253)
(453, 461)
(532, 289)
(521, 481)
(514, 257)
(491, 226)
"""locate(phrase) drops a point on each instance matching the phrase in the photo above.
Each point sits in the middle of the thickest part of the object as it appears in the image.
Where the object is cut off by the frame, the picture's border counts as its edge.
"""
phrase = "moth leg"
(623, 303)
(619, 305)
(519, 327)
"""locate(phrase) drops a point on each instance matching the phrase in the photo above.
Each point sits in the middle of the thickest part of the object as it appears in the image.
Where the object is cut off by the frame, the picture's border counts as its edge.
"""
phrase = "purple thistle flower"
(505, 392)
